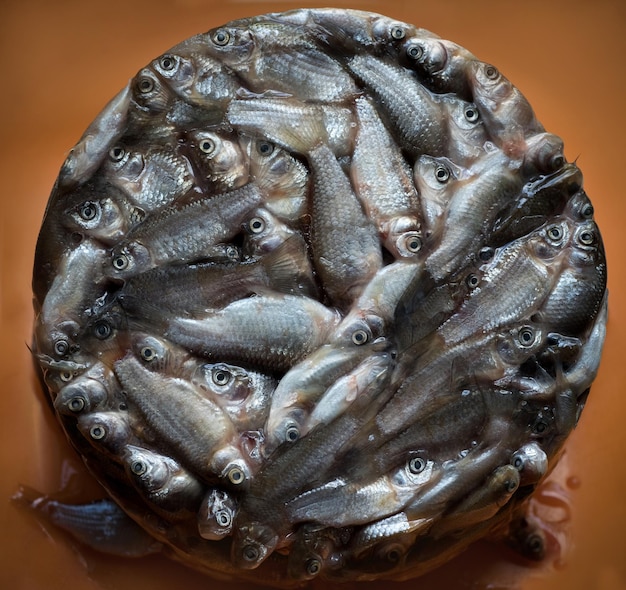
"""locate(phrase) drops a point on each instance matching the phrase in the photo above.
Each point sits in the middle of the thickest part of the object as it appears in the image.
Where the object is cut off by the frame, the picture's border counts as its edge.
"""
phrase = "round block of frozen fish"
(317, 296)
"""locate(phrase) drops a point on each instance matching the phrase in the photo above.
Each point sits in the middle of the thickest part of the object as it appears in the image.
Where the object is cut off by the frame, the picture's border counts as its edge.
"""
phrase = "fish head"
(579, 207)
(150, 92)
(81, 396)
(489, 84)
(216, 515)
(177, 70)
(544, 155)
(264, 232)
(252, 544)
(550, 240)
(233, 45)
(227, 383)
(517, 344)
(360, 329)
(147, 470)
(108, 430)
(531, 461)
(100, 218)
(427, 56)
(127, 259)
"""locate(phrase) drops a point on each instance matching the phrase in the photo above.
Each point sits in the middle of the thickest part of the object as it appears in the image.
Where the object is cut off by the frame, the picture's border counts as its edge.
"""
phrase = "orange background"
(61, 61)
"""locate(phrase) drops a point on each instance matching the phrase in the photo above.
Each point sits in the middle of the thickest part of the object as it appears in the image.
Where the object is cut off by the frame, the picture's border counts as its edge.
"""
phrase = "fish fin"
(101, 525)
(288, 268)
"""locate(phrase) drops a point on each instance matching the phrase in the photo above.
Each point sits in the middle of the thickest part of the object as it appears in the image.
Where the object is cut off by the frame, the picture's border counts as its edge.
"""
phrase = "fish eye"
(97, 432)
(76, 404)
(207, 146)
(236, 476)
(397, 33)
(221, 377)
(148, 354)
(555, 233)
(393, 555)
(471, 114)
(587, 237)
(61, 347)
(442, 174)
(416, 465)
(540, 427)
(223, 518)
(534, 545)
(138, 467)
(413, 243)
(526, 336)
(360, 337)
(66, 376)
(510, 485)
(587, 211)
(250, 553)
(145, 85)
(221, 37)
(88, 210)
(558, 162)
(256, 225)
(415, 51)
(491, 72)
(313, 567)
(518, 462)
(292, 434)
(472, 281)
(102, 330)
(486, 254)
(265, 148)
(167, 62)
(120, 262)
(117, 153)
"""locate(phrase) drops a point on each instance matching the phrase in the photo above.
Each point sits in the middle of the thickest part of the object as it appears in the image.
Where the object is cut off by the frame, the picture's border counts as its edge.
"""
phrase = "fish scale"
(316, 296)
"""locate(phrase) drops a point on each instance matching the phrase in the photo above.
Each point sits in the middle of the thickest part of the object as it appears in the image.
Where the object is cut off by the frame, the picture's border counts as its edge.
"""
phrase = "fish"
(483, 503)
(216, 514)
(583, 279)
(197, 430)
(508, 116)
(279, 57)
(282, 177)
(531, 461)
(194, 289)
(70, 297)
(315, 549)
(205, 224)
(492, 183)
(344, 243)
(340, 503)
(162, 482)
(309, 386)
(383, 181)
(109, 432)
(245, 395)
(441, 65)
(101, 214)
(102, 524)
(415, 116)
(271, 332)
(91, 149)
(273, 119)
(219, 160)
(151, 177)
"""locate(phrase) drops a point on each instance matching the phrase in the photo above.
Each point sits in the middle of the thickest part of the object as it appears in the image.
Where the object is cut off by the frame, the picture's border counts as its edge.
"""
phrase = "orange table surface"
(63, 60)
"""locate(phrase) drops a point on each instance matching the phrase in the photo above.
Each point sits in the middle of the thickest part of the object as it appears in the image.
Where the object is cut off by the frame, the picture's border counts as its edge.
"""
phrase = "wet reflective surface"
(55, 78)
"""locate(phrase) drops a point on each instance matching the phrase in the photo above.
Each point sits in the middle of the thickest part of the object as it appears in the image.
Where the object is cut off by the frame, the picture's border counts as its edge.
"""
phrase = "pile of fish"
(316, 295)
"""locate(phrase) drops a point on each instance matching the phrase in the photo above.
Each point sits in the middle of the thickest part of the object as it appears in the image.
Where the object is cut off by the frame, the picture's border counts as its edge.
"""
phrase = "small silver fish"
(216, 515)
